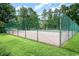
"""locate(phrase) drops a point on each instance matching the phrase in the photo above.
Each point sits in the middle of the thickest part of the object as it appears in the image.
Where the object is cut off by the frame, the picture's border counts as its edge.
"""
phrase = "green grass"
(18, 46)
(73, 44)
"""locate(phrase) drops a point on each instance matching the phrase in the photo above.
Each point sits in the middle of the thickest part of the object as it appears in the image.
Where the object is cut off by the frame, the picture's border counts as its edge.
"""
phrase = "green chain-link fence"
(54, 31)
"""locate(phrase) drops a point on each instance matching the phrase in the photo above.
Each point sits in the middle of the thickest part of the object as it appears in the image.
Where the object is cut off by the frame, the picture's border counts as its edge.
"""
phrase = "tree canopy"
(28, 18)
(72, 11)
(7, 12)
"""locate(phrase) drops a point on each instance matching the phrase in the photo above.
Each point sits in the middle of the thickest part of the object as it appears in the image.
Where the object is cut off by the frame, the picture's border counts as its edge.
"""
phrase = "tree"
(72, 11)
(33, 21)
(56, 17)
(23, 12)
(44, 19)
(28, 18)
(64, 9)
(44, 14)
(7, 12)
(50, 21)
(53, 19)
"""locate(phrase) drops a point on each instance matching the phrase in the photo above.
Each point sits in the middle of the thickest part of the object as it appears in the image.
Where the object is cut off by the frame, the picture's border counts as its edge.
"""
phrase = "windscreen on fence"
(53, 28)
(68, 28)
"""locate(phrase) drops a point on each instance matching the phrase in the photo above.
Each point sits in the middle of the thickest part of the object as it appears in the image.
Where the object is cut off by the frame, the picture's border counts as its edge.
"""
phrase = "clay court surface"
(50, 37)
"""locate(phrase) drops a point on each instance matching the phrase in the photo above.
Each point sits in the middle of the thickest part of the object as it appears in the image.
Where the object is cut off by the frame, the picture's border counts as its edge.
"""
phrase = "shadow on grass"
(1, 34)
(71, 50)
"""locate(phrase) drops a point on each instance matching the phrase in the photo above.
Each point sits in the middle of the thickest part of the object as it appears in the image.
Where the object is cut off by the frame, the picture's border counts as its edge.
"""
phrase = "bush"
(2, 27)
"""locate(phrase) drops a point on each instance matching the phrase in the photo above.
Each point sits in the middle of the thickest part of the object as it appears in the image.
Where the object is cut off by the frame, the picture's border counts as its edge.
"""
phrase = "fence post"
(9, 28)
(68, 28)
(60, 30)
(17, 26)
(37, 34)
(17, 30)
(37, 30)
(25, 30)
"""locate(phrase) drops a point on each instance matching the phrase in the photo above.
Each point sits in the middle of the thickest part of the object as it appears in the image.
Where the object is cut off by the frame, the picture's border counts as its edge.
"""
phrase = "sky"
(38, 7)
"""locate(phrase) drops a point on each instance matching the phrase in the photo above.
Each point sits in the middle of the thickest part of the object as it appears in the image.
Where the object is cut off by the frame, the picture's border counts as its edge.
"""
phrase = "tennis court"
(55, 32)
(48, 36)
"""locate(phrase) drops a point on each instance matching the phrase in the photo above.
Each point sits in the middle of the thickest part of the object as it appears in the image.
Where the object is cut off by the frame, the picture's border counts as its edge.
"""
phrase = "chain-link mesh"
(68, 28)
(55, 30)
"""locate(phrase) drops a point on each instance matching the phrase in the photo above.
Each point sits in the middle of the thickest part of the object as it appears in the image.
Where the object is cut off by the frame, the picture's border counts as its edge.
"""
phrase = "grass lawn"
(73, 44)
(17, 46)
